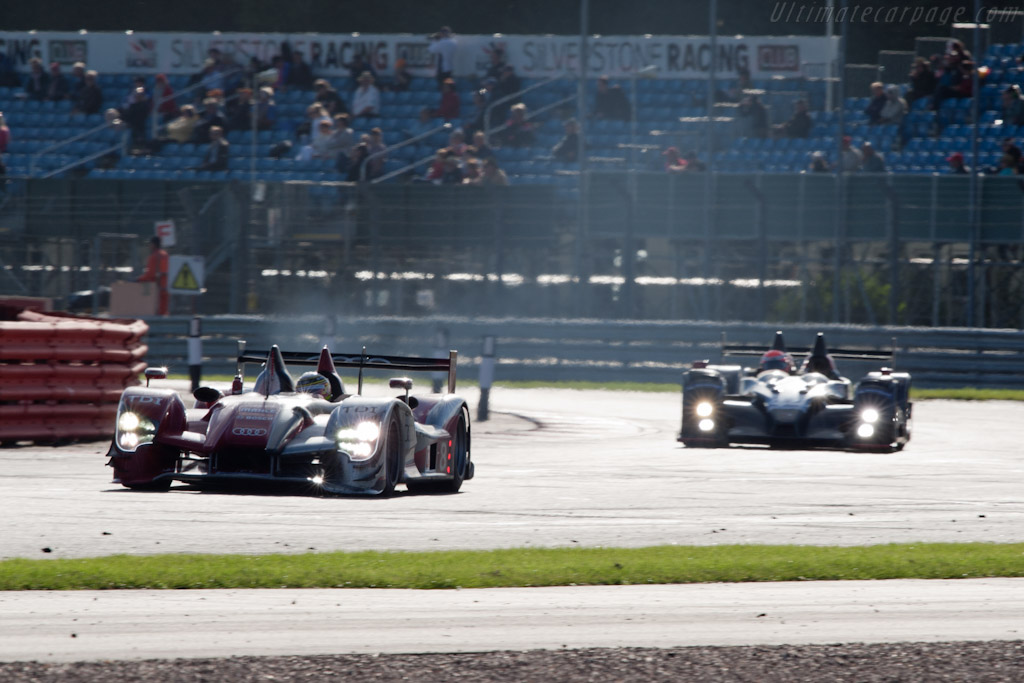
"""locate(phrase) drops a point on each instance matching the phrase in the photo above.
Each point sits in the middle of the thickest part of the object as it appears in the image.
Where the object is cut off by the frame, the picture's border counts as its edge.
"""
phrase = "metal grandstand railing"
(515, 97)
(446, 126)
(119, 146)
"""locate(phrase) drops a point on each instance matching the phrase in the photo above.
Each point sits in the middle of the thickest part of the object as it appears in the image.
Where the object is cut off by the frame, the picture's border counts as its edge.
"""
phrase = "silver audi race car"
(780, 404)
(308, 431)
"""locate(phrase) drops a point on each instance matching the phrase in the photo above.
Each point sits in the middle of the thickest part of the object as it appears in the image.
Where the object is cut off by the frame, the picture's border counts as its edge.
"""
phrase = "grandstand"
(668, 112)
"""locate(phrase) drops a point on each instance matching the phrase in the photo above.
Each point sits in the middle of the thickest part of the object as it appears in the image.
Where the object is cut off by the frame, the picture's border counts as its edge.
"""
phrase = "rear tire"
(460, 464)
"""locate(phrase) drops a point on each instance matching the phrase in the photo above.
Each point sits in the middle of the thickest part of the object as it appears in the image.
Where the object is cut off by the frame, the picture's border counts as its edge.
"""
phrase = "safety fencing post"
(486, 377)
(195, 351)
(440, 351)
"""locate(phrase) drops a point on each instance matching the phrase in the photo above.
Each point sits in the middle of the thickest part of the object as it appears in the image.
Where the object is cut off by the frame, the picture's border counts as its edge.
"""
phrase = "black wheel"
(158, 485)
(460, 457)
(392, 458)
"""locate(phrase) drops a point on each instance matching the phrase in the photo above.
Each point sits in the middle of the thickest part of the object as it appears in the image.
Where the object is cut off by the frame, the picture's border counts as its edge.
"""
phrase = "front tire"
(392, 458)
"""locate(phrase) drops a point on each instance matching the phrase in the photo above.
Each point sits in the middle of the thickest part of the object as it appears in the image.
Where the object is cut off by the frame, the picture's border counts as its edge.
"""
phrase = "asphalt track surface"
(555, 468)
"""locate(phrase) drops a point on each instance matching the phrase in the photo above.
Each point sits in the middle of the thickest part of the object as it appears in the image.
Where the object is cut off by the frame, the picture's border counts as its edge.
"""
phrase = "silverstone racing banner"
(532, 56)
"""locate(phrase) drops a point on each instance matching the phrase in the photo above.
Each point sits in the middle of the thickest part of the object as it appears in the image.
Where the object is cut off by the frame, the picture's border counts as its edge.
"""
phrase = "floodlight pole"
(581, 155)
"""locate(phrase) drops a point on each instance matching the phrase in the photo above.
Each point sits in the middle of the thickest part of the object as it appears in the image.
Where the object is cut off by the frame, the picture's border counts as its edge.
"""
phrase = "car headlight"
(706, 425)
(358, 440)
(869, 415)
(865, 431)
(704, 409)
(134, 430)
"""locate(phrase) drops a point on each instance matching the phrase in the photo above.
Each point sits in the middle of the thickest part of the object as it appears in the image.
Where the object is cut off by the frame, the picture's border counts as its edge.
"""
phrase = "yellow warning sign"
(185, 279)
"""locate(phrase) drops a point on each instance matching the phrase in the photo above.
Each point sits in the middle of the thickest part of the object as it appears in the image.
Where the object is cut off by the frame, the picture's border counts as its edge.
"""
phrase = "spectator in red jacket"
(449, 109)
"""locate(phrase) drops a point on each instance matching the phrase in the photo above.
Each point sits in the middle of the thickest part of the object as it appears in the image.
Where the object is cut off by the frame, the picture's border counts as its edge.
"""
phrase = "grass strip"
(520, 567)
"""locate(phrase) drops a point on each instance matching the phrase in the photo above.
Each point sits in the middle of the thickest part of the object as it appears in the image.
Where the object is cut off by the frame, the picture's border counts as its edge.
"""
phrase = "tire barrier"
(61, 375)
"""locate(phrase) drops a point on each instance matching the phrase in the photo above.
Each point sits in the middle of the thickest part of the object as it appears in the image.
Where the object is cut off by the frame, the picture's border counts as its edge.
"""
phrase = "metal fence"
(596, 350)
(861, 249)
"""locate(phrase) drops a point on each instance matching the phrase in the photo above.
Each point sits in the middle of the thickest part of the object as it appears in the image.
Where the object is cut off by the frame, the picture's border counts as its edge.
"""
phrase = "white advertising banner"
(532, 56)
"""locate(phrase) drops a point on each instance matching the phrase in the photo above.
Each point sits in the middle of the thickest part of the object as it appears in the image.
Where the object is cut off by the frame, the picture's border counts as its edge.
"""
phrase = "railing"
(62, 143)
(513, 98)
(446, 126)
(605, 350)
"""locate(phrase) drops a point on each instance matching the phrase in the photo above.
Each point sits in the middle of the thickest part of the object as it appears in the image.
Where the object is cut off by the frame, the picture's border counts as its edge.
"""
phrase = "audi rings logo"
(248, 431)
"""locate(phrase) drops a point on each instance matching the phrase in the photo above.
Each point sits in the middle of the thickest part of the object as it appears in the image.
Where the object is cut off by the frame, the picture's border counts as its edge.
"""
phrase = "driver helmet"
(776, 360)
(314, 383)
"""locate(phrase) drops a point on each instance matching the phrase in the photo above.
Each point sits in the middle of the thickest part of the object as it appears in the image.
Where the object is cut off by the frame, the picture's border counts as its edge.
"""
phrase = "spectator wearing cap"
(819, 164)
(357, 67)
(366, 98)
(518, 130)
(567, 149)
(444, 46)
(610, 102)
(210, 117)
(851, 157)
(181, 128)
(1013, 106)
(872, 161)
(449, 107)
(59, 87)
(799, 124)
(300, 75)
(877, 103)
(215, 158)
(674, 163)
(329, 97)
(38, 82)
(90, 98)
(957, 165)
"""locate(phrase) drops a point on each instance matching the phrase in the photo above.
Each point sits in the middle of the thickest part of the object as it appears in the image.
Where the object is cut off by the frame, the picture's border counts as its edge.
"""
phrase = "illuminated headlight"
(134, 431)
(706, 425)
(358, 440)
(704, 409)
(865, 431)
(869, 415)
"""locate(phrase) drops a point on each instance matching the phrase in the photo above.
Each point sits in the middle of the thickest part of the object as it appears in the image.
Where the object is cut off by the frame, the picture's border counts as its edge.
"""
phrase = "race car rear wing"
(839, 354)
(358, 360)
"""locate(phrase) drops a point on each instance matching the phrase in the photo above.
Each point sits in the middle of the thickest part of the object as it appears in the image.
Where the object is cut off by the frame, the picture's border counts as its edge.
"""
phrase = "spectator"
(239, 113)
(449, 108)
(366, 98)
(254, 71)
(436, 168)
(266, 109)
(38, 82)
(497, 63)
(755, 116)
(457, 143)
(358, 156)
(480, 149)
(300, 75)
(872, 161)
(1013, 106)
(90, 97)
(211, 117)
(877, 103)
(444, 46)
(59, 86)
(471, 171)
(799, 125)
(737, 90)
(5, 134)
(357, 67)
(895, 107)
(611, 102)
(8, 76)
(157, 267)
(476, 121)
(180, 129)
(955, 81)
(136, 115)
(673, 162)
(693, 164)
(216, 156)
(308, 129)
(957, 165)
(492, 174)
(1007, 165)
(518, 130)
(378, 153)
(851, 157)
(451, 171)
(329, 97)
(322, 145)
(342, 141)
(403, 78)
(509, 84)
(819, 164)
(129, 97)
(163, 98)
(922, 81)
(1015, 152)
(77, 80)
(566, 150)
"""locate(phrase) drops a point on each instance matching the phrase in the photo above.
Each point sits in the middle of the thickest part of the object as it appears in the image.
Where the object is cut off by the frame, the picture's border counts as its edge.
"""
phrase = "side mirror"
(155, 373)
(401, 383)
(208, 395)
